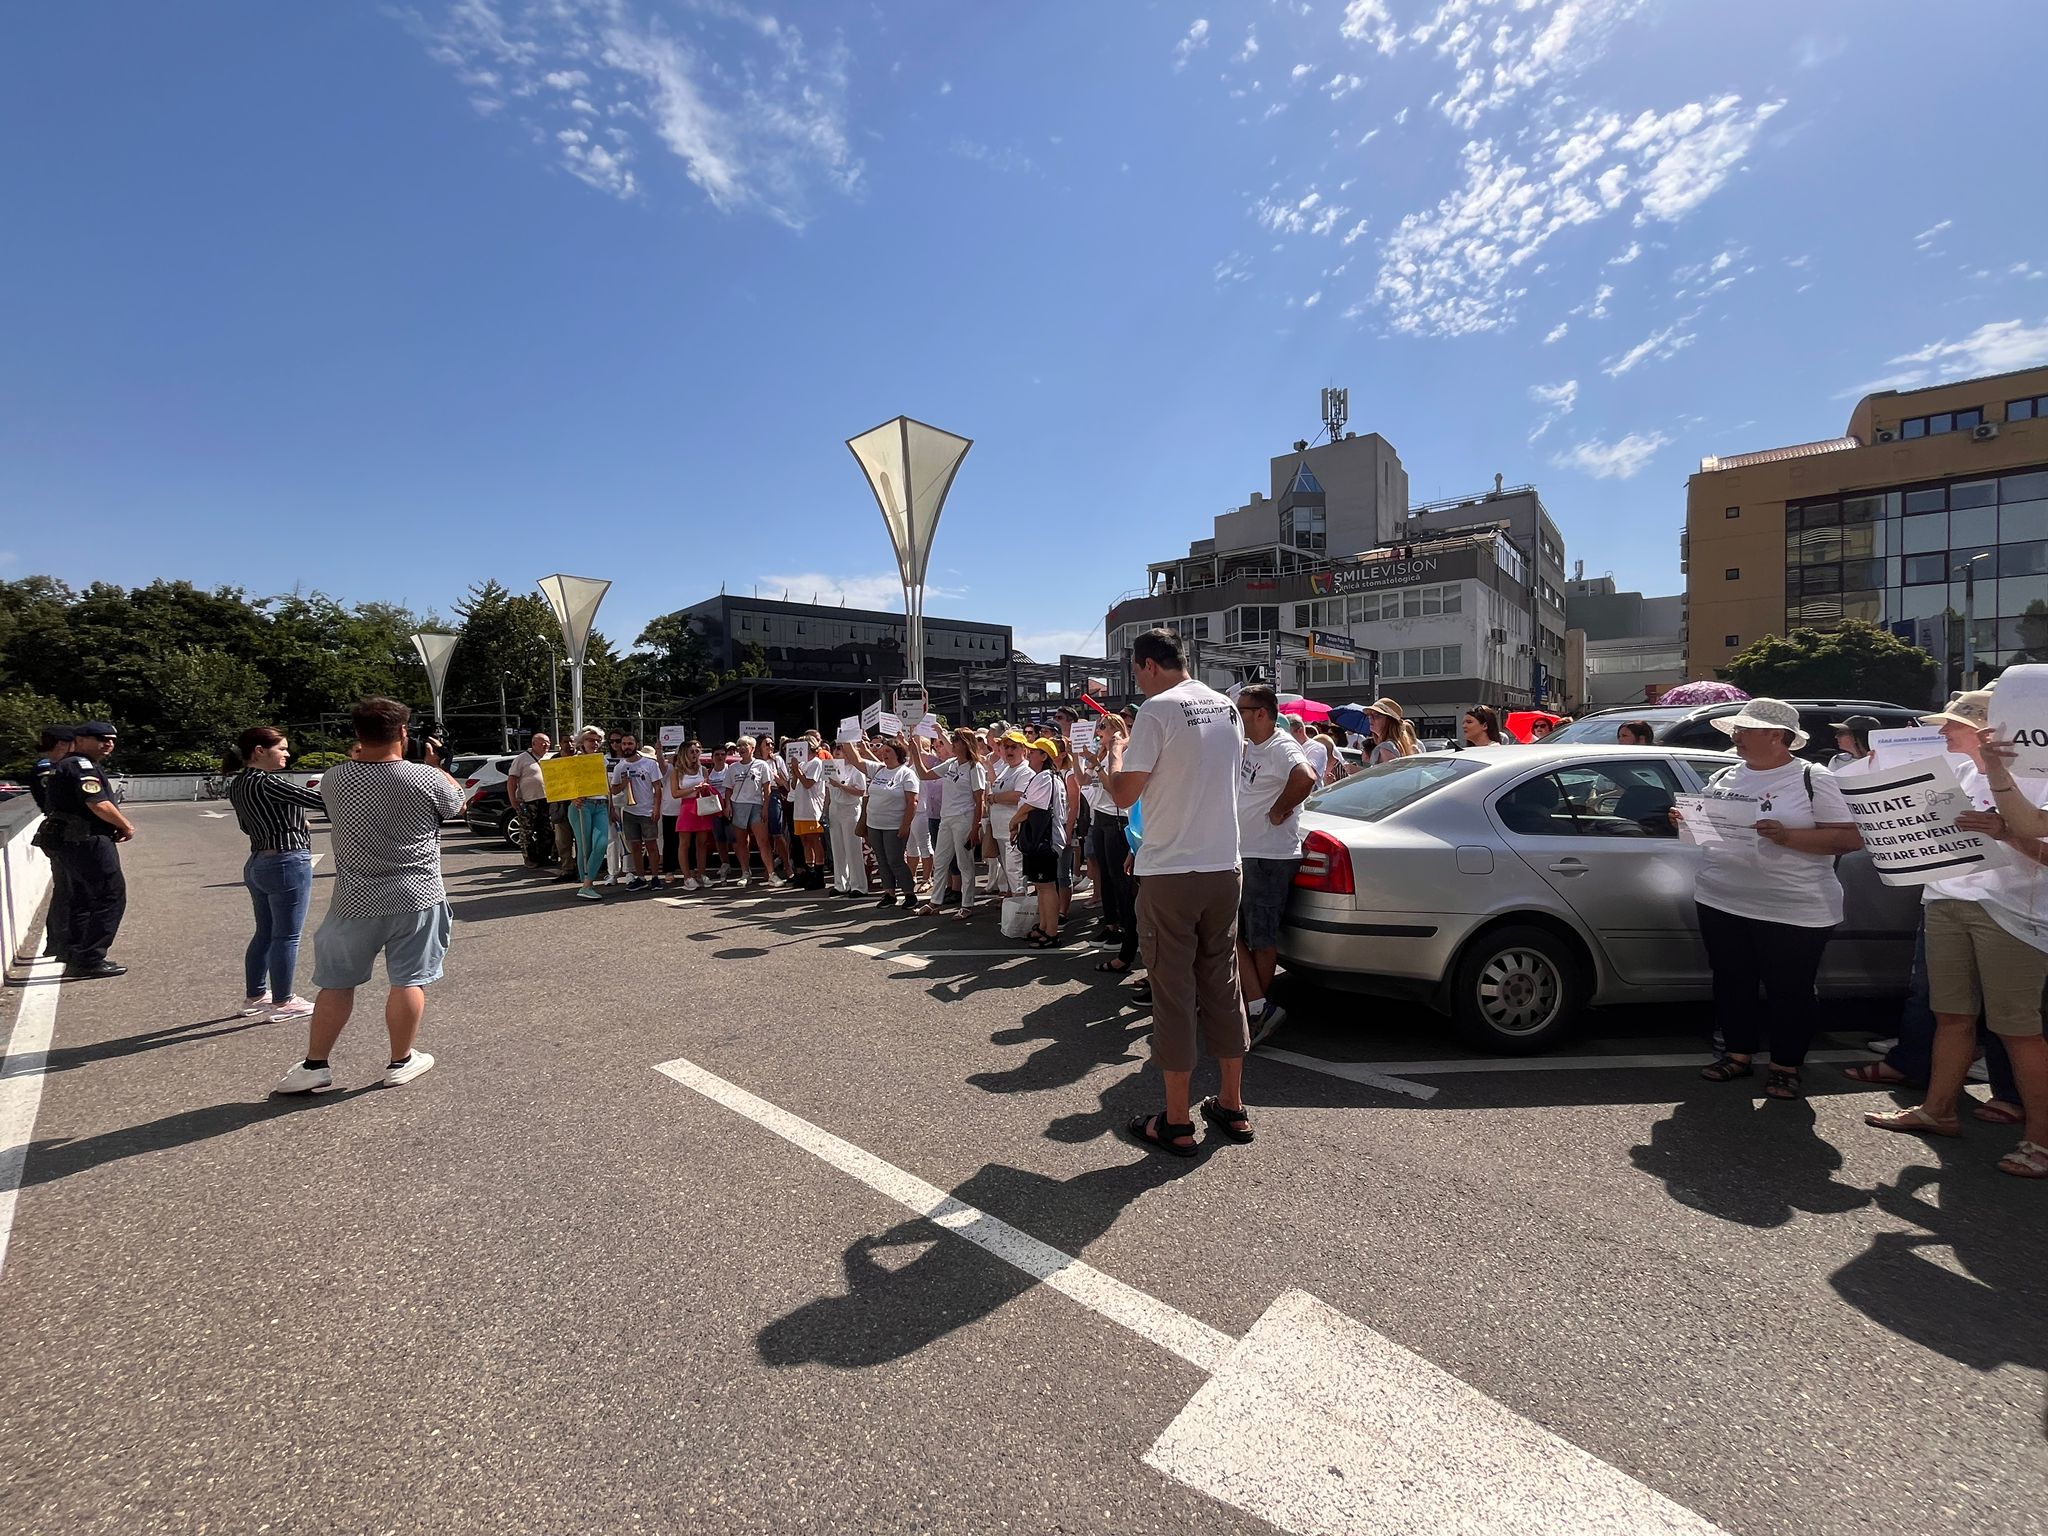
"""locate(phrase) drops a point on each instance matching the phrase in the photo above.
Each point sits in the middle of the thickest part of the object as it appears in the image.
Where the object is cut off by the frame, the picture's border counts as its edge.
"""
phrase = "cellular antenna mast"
(1336, 410)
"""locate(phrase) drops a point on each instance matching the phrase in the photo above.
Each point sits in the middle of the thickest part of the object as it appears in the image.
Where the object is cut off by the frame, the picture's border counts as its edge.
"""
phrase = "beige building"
(1880, 524)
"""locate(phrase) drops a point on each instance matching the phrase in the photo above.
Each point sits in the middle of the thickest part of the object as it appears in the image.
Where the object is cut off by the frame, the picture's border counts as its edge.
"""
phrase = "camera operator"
(386, 810)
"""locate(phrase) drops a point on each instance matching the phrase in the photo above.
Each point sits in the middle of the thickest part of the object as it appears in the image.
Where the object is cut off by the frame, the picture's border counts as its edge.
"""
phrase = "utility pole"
(504, 722)
(641, 734)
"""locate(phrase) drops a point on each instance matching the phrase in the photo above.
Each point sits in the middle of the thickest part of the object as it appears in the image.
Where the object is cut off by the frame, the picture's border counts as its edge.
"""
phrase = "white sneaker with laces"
(690, 884)
(305, 1079)
(412, 1067)
(1267, 1021)
(251, 1006)
(293, 1007)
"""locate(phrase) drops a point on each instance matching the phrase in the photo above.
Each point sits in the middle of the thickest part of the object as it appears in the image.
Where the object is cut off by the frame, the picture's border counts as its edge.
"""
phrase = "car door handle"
(1569, 867)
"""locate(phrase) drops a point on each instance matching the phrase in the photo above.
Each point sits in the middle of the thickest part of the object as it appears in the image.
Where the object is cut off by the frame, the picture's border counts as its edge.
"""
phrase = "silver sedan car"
(1510, 887)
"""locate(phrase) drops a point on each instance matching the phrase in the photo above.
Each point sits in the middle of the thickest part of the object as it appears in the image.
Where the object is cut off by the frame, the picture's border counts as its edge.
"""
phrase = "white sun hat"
(1765, 715)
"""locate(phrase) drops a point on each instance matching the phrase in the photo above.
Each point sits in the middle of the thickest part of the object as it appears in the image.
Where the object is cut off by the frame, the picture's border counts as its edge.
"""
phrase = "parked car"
(488, 811)
(9, 789)
(1512, 887)
(474, 773)
(1692, 725)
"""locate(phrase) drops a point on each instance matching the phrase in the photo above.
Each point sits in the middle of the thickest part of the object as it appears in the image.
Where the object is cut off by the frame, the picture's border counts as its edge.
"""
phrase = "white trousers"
(849, 851)
(1008, 875)
(954, 852)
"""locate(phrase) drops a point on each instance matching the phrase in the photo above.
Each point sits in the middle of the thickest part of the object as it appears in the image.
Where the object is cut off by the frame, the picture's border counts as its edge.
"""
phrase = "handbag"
(1035, 833)
(709, 805)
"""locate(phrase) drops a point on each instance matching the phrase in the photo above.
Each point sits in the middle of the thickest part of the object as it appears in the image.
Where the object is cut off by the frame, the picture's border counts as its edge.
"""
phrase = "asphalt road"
(548, 1288)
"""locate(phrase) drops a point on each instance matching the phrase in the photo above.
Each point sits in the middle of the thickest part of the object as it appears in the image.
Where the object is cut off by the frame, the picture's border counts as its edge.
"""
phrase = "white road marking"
(21, 1084)
(1698, 1058)
(1195, 1342)
(1312, 1422)
(1350, 1071)
(215, 815)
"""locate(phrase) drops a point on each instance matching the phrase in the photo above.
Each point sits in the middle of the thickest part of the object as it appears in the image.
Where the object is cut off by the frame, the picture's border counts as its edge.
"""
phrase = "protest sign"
(1705, 819)
(849, 728)
(1905, 744)
(757, 728)
(1908, 820)
(891, 725)
(871, 716)
(1081, 735)
(798, 752)
(928, 728)
(2019, 714)
(575, 778)
(674, 735)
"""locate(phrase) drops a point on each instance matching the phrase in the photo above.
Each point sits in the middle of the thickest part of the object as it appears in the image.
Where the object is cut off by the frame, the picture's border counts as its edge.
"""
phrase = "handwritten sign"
(1081, 735)
(2019, 714)
(797, 752)
(850, 729)
(871, 716)
(1905, 744)
(928, 728)
(674, 735)
(1908, 820)
(1705, 819)
(891, 725)
(576, 778)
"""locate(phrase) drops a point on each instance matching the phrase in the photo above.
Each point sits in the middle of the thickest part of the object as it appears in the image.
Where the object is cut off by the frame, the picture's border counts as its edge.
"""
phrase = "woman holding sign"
(1769, 903)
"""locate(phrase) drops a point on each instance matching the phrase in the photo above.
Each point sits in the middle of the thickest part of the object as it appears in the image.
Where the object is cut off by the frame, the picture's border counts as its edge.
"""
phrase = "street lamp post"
(574, 600)
(435, 649)
(1969, 570)
(910, 467)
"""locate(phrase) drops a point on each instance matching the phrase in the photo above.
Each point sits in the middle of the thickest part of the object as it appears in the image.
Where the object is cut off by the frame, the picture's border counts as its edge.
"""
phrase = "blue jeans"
(1913, 1057)
(280, 888)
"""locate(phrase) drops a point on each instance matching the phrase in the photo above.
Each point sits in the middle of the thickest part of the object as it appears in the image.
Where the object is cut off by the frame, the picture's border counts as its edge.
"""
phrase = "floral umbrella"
(1702, 693)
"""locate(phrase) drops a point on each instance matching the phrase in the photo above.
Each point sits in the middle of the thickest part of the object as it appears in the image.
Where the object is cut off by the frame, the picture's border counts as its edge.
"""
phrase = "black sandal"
(1781, 1084)
(1726, 1069)
(1234, 1123)
(1115, 965)
(1166, 1134)
(1141, 991)
(1038, 938)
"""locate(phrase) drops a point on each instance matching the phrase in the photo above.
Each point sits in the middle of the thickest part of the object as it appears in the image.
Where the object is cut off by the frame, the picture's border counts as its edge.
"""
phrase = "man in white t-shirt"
(1273, 779)
(1183, 757)
(530, 802)
(1316, 754)
(638, 780)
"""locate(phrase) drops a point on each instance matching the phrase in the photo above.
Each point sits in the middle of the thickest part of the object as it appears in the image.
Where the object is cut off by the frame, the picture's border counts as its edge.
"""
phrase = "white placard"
(1705, 819)
(849, 728)
(674, 735)
(928, 728)
(757, 728)
(2019, 714)
(1081, 735)
(1908, 820)
(1905, 744)
(797, 752)
(891, 725)
(871, 716)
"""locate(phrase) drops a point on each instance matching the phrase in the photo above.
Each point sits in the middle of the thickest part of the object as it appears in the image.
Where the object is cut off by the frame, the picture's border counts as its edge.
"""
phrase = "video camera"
(419, 743)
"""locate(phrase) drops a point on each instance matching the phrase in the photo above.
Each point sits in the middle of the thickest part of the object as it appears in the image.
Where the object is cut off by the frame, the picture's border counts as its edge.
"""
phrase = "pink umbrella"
(1702, 693)
(1308, 709)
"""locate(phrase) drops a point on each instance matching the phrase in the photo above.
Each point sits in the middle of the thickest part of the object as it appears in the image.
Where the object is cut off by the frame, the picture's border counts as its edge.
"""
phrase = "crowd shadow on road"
(59, 1157)
(911, 1286)
(1076, 1033)
(70, 1057)
(1754, 1162)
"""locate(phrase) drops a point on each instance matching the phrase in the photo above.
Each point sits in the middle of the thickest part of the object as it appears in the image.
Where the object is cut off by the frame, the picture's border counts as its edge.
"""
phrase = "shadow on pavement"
(1755, 1162)
(62, 1156)
(1079, 1032)
(70, 1057)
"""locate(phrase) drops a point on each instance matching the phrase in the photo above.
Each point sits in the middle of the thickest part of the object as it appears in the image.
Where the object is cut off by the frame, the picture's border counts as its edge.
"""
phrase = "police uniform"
(99, 894)
(49, 838)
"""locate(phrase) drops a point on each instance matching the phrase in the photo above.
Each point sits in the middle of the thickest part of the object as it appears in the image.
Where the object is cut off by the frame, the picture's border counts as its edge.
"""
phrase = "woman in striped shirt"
(279, 872)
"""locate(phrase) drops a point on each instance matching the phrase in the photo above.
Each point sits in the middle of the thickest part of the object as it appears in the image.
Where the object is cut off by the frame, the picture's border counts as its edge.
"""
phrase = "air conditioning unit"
(1984, 431)
(1886, 435)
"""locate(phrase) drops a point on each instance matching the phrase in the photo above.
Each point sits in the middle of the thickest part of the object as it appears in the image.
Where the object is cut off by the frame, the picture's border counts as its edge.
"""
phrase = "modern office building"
(1634, 646)
(1931, 505)
(1461, 600)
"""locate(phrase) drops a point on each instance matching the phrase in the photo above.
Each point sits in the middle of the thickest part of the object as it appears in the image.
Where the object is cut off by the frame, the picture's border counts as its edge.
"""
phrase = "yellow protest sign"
(575, 778)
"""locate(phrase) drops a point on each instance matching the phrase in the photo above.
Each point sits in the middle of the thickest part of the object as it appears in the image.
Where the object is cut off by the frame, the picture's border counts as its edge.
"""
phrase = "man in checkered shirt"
(386, 815)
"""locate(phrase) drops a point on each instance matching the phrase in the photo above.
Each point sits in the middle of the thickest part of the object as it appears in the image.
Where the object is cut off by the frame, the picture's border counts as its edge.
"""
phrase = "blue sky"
(384, 300)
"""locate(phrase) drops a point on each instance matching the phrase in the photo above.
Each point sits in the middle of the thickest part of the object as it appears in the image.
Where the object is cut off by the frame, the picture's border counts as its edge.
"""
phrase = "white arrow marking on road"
(1312, 1422)
(215, 815)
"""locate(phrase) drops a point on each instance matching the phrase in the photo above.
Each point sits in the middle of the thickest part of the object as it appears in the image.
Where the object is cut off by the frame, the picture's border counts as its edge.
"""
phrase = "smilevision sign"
(1373, 573)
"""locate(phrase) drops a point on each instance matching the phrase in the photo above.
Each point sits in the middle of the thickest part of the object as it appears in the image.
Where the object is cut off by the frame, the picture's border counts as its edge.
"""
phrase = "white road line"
(21, 1084)
(1350, 1071)
(1313, 1422)
(215, 815)
(1195, 1342)
(1698, 1058)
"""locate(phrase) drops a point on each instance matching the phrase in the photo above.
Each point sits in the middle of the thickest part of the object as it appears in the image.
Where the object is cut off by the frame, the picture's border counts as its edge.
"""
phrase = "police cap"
(56, 733)
(101, 728)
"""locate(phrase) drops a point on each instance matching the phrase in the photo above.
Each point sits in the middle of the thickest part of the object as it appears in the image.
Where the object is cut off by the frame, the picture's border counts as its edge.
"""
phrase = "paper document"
(1708, 820)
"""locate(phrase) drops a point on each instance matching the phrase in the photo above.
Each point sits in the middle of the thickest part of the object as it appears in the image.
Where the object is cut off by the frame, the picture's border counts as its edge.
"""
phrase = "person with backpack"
(1769, 904)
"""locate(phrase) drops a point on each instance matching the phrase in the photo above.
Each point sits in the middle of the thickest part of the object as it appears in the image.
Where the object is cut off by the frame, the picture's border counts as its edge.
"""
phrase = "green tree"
(1856, 660)
(202, 701)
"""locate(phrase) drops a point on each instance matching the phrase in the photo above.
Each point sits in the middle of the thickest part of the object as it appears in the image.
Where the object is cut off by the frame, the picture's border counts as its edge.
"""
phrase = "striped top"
(272, 810)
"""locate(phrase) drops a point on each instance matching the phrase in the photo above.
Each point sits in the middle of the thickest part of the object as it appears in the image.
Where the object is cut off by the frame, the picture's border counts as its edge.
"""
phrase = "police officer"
(82, 800)
(56, 746)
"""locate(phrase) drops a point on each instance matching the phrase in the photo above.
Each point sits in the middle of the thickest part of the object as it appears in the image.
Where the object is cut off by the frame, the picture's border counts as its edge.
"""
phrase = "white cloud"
(756, 118)
(2026, 269)
(1355, 232)
(1688, 154)
(1595, 308)
(1634, 250)
(1250, 50)
(1658, 345)
(1612, 461)
(1368, 21)
(1299, 70)
(1401, 118)
(945, 87)
(1557, 401)
(1000, 159)
(1998, 347)
(1311, 215)
(1232, 269)
(1557, 332)
(1274, 110)
(1313, 300)
(1496, 60)
(1340, 85)
(1924, 241)
(881, 590)
(1196, 40)
(1052, 644)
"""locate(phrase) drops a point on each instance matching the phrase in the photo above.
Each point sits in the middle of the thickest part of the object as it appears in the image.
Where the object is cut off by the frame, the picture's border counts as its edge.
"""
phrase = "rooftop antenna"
(1336, 411)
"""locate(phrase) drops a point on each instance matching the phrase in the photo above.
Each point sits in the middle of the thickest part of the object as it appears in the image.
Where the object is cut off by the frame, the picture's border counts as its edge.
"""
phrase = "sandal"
(1166, 1135)
(1878, 1074)
(1115, 965)
(1233, 1123)
(1780, 1084)
(1141, 991)
(1726, 1069)
(2028, 1160)
(1998, 1112)
(1913, 1122)
(1038, 938)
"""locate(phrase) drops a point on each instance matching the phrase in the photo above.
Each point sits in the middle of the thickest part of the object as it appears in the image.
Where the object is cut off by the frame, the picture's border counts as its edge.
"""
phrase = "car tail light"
(469, 783)
(1325, 866)
(476, 798)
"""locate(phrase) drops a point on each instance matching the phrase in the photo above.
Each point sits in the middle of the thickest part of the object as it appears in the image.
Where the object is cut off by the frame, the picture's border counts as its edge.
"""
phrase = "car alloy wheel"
(1519, 990)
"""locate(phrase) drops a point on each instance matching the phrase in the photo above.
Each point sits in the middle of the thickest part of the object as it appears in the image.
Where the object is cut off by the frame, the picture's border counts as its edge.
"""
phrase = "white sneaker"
(1882, 1047)
(415, 1064)
(293, 1007)
(251, 1006)
(305, 1079)
(690, 883)
(1268, 1021)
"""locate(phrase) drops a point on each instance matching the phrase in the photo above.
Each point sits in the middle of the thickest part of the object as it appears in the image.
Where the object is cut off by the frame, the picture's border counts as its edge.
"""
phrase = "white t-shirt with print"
(1774, 884)
(889, 791)
(959, 783)
(748, 782)
(1190, 741)
(689, 783)
(806, 790)
(639, 777)
(1262, 775)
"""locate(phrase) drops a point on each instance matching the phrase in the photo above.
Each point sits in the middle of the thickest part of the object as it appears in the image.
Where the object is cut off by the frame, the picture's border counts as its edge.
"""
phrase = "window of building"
(1423, 661)
(1305, 527)
(1733, 573)
(1731, 641)
(1731, 512)
(1944, 421)
(1252, 622)
(2027, 410)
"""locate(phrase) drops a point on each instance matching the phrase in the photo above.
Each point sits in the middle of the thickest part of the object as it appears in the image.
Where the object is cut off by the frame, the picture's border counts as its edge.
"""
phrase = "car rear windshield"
(1603, 730)
(1378, 792)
